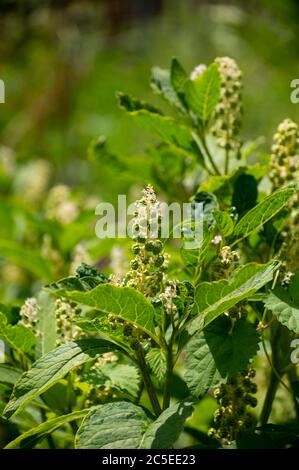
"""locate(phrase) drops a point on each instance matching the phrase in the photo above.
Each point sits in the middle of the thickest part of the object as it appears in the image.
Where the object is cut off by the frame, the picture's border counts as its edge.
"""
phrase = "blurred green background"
(62, 63)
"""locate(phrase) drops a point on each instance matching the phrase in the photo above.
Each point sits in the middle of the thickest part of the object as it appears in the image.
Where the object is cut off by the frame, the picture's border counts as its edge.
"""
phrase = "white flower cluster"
(198, 71)
(287, 278)
(7, 160)
(216, 240)
(228, 256)
(59, 205)
(29, 313)
(167, 298)
(146, 216)
(150, 263)
(104, 358)
(32, 179)
(285, 169)
(285, 154)
(66, 330)
(229, 110)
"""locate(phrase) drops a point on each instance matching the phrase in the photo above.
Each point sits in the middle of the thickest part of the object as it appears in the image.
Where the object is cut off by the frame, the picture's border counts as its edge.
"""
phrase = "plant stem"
(292, 376)
(147, 380)
(167, 385)
(49, 438)
(204, 144)
(275, 377)
(226, 163)
(270, 395)
(70, 392)
(273, 368)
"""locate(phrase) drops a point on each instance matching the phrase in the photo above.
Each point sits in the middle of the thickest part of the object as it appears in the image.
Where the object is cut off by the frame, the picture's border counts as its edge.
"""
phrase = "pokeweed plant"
(95, 360)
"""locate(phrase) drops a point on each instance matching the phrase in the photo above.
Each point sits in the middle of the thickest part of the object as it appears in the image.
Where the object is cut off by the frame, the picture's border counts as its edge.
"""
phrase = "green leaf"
(224, 222)
(168, 129)
(99, 153)
(74, 283)
(163, 432)
(49, 369)
(161, 84)
(245, 193)
(118, 425)
(223, 183)
(131, 104)
(8, 374)
(27, 259)
(261, 213)
(122, 302)
(157, 362)
(178, 78)
(284, 303)
(93, 322)
(46, 318)
(214, 183)
(213, 298)
(123, 378)
(30, 438)
(194, 257)
(19, 337)
(219, 352)
(202, 94)
(57, 397)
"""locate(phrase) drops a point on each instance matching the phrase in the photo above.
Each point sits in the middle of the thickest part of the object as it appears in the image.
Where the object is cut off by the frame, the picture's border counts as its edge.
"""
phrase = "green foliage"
(126, 426)
(123, 378)
(27, 258)
(118, 425)
(9, 375)
(178, 78)
(18, 337)
(245, 193)
(211, 299)
(46, 323)
(107, 356)
(123, 303)
(219, 353)
(29, 439)
(202, 94)
(161, 83)
(169, 130)
(284, 304)
(163, 433)
(50, 368)
(157, 362)
(224, 222)
(260, 214)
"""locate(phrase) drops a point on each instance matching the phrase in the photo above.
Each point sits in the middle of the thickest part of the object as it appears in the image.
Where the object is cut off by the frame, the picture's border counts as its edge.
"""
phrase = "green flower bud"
(157, 247)
(159, 260)
(136, 249)
(134, 264)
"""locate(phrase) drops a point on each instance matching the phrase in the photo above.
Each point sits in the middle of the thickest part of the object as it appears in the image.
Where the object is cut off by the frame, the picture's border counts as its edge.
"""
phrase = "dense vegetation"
(131, 356)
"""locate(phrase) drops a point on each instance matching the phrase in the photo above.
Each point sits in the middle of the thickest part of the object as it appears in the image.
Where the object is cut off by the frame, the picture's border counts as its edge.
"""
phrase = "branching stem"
(210, 158)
